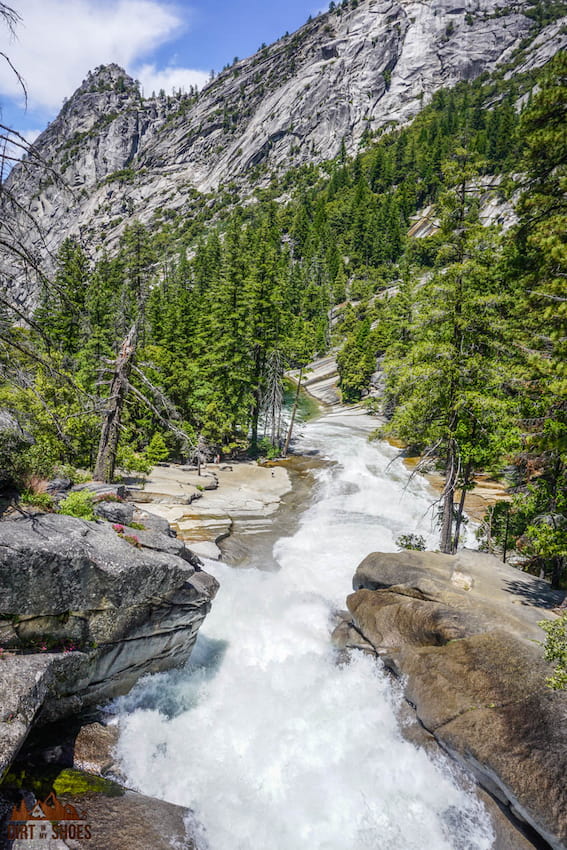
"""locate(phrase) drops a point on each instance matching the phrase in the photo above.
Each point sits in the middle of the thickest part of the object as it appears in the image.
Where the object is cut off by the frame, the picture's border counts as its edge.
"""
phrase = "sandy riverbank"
(485, 493)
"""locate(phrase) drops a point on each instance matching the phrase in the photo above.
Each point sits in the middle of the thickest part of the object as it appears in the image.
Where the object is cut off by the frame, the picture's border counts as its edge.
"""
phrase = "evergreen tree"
(61, 313)
(541, 244)
(356, 362)
(451, 385)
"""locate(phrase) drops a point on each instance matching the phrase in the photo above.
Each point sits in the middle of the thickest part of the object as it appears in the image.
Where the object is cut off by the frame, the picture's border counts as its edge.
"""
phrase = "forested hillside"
(116, 154)
(180, 340)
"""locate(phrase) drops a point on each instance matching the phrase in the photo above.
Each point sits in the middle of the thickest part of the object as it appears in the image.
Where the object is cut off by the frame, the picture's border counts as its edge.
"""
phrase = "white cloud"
(14, 149)
(31, 135)
(59, 41)
(154, 79)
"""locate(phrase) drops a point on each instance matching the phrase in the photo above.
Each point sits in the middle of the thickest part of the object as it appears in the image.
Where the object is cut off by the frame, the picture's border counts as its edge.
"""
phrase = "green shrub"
(79, 504)
(12, 446)
(137, 526)
(39, 459)
(267, 448)
(556, 650)
(157, 450)
(67, 470)
(132, 461)
(372, 405)
(37, 500)
(411, 541)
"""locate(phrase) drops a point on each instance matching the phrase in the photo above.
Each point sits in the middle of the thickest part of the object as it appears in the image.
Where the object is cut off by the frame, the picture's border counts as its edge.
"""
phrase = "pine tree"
(62, 310)
(451, 385)
(541, 244)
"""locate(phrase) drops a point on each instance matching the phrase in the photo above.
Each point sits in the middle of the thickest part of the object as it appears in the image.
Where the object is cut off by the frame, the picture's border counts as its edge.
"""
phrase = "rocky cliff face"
(461, 631)
(344, 73)
(85, 613)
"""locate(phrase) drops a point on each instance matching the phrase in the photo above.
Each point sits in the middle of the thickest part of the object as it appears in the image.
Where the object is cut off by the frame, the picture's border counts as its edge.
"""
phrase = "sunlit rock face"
(115, 153)
(85, 612)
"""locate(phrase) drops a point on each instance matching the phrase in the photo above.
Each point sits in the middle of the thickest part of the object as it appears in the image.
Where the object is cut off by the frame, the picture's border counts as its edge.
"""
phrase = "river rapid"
(273, 741)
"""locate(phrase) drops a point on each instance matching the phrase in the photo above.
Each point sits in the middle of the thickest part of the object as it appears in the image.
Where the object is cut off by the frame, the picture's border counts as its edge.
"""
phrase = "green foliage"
(67, 470)
(132, 461)
(545, 11)
(37, 500)
(540, 262)
(470, 323)
(39, 459)
(79, 503)
(414, 542)
(356, 362)
(449, 377)
(541, 234)
(12, 447)
(267, 449)
(61, 311)
(157, 450)
(556, 650)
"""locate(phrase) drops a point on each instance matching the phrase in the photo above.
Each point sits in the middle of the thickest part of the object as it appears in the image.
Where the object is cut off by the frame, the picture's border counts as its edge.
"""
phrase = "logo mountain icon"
(49, 809)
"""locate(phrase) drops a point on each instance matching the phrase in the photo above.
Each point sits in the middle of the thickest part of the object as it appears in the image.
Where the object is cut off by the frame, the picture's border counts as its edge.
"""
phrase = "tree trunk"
(557, 572)
(257, 397)
(446, 544)
(273, 398)
(255, 417)
(293, 412)
(110, 431)
(461, 509)
(506, 530)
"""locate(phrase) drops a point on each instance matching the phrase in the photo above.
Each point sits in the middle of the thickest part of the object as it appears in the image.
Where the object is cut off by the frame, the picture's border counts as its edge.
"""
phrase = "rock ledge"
(462, 632)
(84, 613)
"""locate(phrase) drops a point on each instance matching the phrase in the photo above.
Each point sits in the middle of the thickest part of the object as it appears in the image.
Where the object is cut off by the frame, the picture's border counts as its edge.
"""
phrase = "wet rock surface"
(91, 813)
(470, 657)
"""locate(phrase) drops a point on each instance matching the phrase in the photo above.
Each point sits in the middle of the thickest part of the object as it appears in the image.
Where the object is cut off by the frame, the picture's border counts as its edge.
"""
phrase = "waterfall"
(266, 735)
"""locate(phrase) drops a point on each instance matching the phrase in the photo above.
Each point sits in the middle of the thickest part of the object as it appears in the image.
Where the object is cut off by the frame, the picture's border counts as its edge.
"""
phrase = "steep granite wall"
(121, 156)
(84, 613)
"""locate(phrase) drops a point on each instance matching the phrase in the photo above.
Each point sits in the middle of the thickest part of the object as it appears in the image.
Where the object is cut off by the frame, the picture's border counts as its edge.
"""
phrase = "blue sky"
(163, 44)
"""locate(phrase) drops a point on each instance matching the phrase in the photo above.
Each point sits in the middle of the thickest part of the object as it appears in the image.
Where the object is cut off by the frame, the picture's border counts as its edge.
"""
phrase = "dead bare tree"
(112, 418)
(200, 453)
(293, 413)
(121, 388)
(18, 226)
(273, 397)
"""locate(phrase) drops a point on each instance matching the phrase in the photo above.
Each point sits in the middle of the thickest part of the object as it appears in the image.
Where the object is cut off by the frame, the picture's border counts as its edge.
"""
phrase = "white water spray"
(272, 743)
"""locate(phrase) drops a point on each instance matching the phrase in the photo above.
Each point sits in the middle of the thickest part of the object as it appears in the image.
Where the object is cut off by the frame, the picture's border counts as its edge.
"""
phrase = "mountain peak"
(341, 78)
(107, 78)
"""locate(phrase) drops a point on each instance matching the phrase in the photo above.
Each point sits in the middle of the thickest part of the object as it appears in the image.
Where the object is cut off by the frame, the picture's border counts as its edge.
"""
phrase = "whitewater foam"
(272, 742)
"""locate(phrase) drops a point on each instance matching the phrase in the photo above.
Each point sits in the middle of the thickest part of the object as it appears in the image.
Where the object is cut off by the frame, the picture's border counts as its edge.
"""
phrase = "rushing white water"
(274, 744)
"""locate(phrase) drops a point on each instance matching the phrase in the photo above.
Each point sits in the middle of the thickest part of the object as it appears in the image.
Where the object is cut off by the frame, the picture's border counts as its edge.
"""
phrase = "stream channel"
(268, 734)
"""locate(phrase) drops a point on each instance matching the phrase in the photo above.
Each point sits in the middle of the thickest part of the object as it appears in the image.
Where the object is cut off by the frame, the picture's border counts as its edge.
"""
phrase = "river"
(273, 741)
